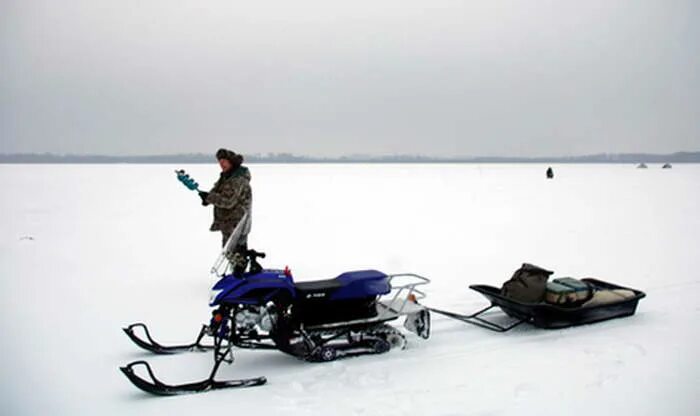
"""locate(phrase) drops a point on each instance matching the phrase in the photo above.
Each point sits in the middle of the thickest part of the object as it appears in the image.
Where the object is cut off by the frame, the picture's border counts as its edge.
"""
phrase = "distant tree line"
(679, 157)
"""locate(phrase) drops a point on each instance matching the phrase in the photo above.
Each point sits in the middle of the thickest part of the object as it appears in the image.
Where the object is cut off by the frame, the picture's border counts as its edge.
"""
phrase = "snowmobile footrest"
(159, 388)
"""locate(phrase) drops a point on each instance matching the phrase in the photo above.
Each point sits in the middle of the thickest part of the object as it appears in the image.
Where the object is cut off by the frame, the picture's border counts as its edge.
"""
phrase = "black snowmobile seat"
(355, 284)
(327, 285)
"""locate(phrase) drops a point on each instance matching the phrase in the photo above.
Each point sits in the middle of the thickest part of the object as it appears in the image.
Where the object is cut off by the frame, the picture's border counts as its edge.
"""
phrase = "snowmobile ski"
(222, 353)
(151, 345)
(159, 388)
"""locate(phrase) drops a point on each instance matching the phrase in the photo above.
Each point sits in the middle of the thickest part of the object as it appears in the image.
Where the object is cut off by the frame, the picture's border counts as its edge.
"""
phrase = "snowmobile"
(316, 321)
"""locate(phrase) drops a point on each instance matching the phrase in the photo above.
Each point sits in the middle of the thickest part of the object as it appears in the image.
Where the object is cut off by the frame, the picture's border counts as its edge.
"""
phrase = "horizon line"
(285, 157)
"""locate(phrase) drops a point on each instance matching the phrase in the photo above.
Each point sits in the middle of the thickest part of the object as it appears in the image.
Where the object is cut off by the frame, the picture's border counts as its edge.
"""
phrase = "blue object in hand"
(190, 183)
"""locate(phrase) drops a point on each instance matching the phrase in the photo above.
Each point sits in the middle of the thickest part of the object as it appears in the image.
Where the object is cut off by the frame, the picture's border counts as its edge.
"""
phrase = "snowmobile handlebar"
(254, 254)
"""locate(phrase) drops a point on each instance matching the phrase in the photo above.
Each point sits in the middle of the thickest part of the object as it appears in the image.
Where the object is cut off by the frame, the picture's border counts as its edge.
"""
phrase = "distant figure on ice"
(642, 166)
(232, 198)
(550, 173)
(666, 166)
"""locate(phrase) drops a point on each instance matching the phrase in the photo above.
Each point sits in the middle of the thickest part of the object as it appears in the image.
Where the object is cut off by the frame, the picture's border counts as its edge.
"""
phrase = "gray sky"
(327, 78)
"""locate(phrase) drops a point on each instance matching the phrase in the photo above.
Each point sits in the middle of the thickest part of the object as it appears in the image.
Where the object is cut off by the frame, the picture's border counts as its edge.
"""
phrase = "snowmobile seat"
(323, 286)
(357, 284)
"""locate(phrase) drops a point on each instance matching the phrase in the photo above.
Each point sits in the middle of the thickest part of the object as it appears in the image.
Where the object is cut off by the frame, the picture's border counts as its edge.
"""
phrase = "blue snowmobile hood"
(234, 289)
(254, 289)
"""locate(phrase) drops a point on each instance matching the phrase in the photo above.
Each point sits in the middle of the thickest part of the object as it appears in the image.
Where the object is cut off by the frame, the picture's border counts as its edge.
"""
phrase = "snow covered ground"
(87, 249)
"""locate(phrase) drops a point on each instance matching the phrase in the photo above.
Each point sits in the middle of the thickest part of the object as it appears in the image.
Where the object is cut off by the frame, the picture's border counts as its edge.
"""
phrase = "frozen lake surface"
(87, 249)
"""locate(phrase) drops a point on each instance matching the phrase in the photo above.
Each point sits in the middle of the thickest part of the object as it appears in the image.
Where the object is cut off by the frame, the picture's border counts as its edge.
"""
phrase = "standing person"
(231, 196)
(550, 173)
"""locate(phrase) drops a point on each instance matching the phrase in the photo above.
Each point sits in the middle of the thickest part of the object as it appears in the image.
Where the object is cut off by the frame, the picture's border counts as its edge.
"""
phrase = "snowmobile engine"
(251, 316)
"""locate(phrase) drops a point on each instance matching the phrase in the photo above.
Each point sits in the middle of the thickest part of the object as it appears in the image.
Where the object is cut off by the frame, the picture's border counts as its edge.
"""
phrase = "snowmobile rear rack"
(545, 315)
(406, 304)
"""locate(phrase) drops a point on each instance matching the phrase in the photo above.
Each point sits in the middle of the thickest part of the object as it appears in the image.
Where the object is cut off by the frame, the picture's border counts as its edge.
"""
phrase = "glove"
(204, 196)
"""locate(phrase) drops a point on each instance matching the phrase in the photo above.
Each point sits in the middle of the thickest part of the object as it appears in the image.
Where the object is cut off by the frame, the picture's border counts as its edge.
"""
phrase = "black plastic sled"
(546, 315)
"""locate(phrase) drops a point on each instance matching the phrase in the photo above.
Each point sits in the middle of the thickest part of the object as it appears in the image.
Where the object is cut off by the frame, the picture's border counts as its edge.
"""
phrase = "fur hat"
(229, 155)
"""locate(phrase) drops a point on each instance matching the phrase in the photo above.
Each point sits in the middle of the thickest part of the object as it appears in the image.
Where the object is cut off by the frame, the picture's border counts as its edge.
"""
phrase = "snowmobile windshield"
(238, 237)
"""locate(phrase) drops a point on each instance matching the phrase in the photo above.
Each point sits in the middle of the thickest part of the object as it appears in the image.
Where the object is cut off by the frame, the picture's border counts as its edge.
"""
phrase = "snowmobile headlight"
(213, 294)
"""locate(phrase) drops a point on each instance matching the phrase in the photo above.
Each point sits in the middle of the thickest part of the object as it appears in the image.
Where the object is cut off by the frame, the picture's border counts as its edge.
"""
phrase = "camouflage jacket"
(231, 197)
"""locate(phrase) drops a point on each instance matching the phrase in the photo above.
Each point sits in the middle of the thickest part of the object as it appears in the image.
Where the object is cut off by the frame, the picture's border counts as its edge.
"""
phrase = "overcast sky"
(328, 78)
